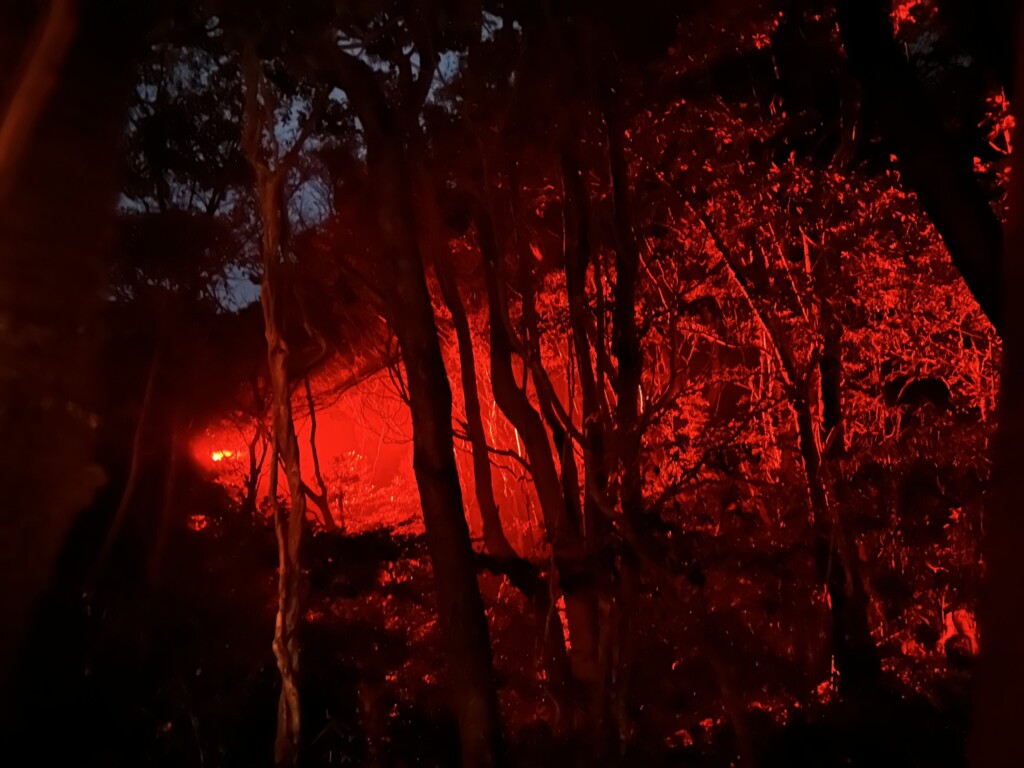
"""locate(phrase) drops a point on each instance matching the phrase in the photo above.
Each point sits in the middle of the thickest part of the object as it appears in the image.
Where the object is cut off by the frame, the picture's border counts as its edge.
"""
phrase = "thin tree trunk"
(320, 498)
(625, 339)
(495, 541)
(596, 464)
(273, 219)
(531, 324)
(557, 661)
(629, 357)
(563, 533)
(577, 258)
(856, 656)
(289, 533)
(252, 479)
(461, 617)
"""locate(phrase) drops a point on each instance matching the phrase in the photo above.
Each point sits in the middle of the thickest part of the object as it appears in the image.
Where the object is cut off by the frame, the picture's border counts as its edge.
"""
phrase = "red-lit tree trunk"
(495, 541)
(577, 259)
(856, 657)
(520, 572)
(460, 608)
(531, 336)
(558, 663)
(466, 637)
(563, 531)
(273, 213)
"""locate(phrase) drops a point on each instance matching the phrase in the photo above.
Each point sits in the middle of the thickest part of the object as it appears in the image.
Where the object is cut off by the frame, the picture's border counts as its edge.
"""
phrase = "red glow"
(197, 522)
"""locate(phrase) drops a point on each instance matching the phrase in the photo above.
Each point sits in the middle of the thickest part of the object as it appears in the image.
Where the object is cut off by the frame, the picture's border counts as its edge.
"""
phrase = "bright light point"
(221, 455)
(197, 522)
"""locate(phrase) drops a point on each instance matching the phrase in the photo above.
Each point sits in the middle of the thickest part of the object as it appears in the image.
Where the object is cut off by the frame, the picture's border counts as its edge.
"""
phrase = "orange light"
(221, 455)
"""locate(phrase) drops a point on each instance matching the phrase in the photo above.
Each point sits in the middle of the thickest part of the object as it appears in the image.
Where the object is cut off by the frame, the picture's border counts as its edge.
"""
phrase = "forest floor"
(172, 666)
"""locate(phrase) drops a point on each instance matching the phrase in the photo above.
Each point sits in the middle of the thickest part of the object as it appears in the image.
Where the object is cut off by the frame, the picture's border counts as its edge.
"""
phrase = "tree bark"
(936, 167)
(577, 258)
(625, 339)
(463, 624)
(252, 478)
(856, 657)
(495, 541)
(289, 533)
(563, 533)
(273, 213)
(320, 497)
(64, 168)
(996, 741)
(460, 607)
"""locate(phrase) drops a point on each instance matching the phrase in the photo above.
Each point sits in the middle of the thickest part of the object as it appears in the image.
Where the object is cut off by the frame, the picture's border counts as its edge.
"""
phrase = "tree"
(58, 158)
(270, 171)
(390, 141)
(1001, 673)
(937, 167)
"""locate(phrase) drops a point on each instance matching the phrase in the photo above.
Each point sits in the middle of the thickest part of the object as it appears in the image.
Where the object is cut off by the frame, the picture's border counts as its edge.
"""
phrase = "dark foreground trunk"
(936, 166)
(60, 165)
(996, 737)
(495, 541)
(460, 607)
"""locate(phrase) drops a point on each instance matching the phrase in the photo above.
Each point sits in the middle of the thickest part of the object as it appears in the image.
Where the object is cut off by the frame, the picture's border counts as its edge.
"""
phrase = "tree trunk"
(495, 541)
(252, 478)
(625, 339)
(273, 220)
(460, 607)
(596, 467)
(856, 657)
(996, 741)
(577, 259)
(531, 332)
(286, 446)
(563, 533)
(166, 517)
(59, 162)
(938, 169)
(320, 497)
